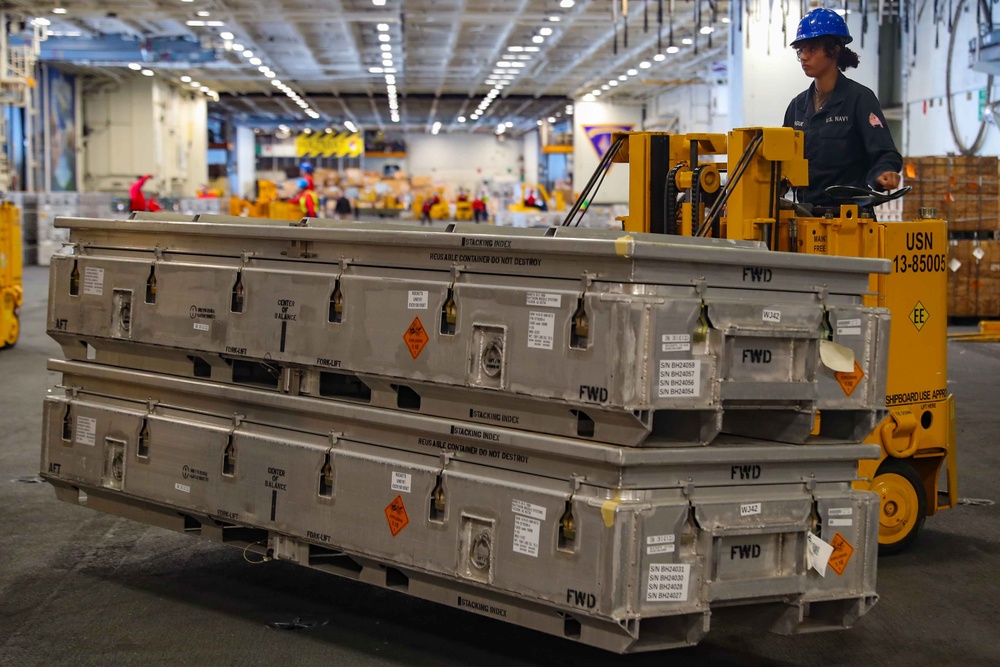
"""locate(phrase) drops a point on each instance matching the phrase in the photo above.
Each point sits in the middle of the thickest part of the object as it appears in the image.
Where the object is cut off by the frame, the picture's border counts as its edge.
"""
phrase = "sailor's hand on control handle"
(888, 180)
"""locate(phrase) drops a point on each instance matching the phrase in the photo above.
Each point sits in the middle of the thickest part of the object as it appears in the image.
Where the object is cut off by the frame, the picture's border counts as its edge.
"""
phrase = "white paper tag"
(541, 330)
(679, 379)
(401, 481)
(749, 509)
(86, 430)
(954, 265)
(417, 300)
(544, 300)
(836, 357)
(994, 267)
(818, 554)
(526, 534)
(182, 487)
(93, 281)
(661, 539)
(840, 522)
(772, 315)
(527, 509)
(667, 582)
(655, 549)
(200, 326)
(978, 253)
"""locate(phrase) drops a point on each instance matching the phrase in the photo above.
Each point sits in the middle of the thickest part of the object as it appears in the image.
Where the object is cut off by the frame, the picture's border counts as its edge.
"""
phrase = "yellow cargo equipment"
(267, 204)
(11, 290)
(554, 202)
(676, 186)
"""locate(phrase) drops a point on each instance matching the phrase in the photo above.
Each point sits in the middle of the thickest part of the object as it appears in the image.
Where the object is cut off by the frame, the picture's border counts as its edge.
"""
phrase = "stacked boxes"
(600, 436)
(965, 190)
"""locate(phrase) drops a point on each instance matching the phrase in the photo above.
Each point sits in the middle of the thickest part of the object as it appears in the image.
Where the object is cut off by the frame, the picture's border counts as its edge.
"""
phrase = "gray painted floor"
(82, 588)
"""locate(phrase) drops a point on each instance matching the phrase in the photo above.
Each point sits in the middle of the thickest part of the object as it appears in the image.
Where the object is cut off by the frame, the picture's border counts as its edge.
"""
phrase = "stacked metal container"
(606, 437)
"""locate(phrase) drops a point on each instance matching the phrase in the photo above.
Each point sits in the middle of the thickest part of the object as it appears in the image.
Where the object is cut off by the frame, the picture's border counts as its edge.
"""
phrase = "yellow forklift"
(11, 290)
(676, 186)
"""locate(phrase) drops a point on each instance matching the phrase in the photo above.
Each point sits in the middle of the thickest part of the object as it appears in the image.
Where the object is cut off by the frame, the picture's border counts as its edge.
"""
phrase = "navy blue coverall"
(847, 142)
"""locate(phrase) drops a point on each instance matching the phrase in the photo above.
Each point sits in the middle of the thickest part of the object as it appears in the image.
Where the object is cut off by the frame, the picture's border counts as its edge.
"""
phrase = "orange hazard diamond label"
(395, 514)
(415, 337)
(919, 316)
(841, 556)
(848, 381)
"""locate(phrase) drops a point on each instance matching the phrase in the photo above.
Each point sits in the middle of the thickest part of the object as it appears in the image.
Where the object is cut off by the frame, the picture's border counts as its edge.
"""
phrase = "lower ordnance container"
(621, 548)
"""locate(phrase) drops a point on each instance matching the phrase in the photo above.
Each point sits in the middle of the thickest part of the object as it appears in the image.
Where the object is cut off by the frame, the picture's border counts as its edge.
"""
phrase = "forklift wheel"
(903, 505)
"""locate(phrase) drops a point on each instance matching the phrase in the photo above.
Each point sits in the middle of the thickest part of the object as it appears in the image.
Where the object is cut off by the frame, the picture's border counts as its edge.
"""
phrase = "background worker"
(847, 141)
(306, 172)
(342, 208)
(308, 199)
(137, 200)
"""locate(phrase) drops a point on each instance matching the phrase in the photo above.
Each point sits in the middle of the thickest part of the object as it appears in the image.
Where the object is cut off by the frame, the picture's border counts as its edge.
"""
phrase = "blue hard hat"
(308, 168)
(303, 183)
(820, 22)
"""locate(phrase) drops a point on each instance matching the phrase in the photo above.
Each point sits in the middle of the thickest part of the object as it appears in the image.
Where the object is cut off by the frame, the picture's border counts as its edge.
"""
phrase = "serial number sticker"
(401, 481)
(93, 281)
(675, 342)
(668, 582)
(840, 511)
(679, 378)
(749, 509)
(200, 326)
(182, 487)
(675, 347)
(840, 522)
(848, 331)
(526, 534)
(849, 323)
(771, 315)
(661, 539)
(417, 300)
(654, 549)
(86, 430)
(541, 330)
(543, 299)
(527, 509)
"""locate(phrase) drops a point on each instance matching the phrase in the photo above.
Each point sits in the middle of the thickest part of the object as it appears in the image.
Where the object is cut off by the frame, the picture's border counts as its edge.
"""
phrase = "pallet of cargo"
(615, 547)
(632, 350)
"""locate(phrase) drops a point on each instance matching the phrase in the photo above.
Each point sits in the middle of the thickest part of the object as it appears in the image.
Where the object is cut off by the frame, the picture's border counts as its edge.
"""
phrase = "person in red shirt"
(137, 200)
(306, 172)
(308, 199)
